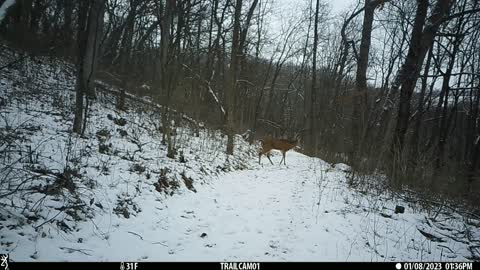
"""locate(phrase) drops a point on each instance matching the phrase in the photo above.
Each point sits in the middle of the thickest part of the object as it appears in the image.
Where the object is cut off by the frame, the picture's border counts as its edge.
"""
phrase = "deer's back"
(280, 144)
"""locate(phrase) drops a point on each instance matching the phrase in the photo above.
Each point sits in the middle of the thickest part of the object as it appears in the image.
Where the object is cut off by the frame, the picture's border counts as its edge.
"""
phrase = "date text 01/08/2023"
(435, 266)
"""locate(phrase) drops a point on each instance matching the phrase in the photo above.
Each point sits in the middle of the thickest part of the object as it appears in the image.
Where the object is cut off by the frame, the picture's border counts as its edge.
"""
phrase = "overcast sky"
(336, 5)
(340, 5)
(282, 9)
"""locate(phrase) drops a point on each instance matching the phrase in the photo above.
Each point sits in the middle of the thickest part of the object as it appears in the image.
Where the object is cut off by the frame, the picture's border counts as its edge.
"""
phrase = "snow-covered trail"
(271, 213)
(262, 214)
(268, 213)
(298, 212)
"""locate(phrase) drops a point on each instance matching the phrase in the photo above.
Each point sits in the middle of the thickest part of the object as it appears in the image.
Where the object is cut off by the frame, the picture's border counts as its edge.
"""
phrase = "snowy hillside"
(114, 195)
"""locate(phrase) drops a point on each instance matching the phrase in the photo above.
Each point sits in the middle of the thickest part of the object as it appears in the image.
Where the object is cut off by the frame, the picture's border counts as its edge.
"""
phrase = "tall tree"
(166, 71)
(310, 95)
(232, 77)
(90, 24)
(421, 39)
(360, 110)
(68, 7)
(126, 46)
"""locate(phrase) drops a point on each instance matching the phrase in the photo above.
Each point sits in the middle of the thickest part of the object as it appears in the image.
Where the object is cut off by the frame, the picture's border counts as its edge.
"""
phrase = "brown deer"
(269, 143)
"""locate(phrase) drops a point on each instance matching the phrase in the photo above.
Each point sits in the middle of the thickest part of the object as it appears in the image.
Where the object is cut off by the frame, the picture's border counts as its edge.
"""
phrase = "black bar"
(237, 265)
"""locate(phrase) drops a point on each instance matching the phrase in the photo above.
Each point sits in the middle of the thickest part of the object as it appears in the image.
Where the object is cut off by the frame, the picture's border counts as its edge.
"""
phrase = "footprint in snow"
(273, 244)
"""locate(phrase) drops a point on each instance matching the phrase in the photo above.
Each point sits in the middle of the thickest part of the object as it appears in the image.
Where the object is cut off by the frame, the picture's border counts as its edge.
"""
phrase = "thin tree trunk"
(310, 95)
(89, 51)
(444, 123)
(67, 26)
(360, 114)
(420, 108)
(80, 83)
(231, 92)
(125, 49)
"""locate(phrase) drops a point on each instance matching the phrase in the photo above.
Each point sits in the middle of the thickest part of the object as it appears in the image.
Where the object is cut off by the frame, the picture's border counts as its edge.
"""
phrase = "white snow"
(342, 167)
(238, 211)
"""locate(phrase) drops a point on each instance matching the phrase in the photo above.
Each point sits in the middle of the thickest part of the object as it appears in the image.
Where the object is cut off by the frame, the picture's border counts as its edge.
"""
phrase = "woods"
(389, 87)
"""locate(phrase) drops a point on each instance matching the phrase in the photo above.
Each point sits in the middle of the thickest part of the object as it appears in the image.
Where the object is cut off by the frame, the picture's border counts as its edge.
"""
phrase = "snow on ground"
(114, 195)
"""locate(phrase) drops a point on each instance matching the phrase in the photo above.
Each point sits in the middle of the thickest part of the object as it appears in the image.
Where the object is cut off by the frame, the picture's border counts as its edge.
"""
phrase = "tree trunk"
(420, 42)
(310, 95)
(92, 52)
(231, 89)
(359, 116)
(67, 26)
(166, 56)
(37, 12)
(125, 49)
(89, 51)
(80, 83)
(21, 16)
(444, 126)
(420, 107)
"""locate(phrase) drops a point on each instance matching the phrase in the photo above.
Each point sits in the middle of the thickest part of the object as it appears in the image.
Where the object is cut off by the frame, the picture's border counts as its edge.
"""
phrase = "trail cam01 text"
(240, 266)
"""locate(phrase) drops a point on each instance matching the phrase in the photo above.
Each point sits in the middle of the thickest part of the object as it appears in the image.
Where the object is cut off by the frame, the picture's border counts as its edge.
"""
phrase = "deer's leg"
(268, 156)
(267, 153)
(283, 157)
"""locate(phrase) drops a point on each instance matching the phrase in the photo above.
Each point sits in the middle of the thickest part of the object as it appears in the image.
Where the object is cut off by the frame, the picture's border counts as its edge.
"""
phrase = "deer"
(270, 143)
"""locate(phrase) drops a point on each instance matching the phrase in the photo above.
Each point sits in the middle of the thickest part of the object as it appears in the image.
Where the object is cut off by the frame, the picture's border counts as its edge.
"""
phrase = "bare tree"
(310, 94)
(234, 65)
(90, 22)
(126, 47)
(422, 37)
(360, 111)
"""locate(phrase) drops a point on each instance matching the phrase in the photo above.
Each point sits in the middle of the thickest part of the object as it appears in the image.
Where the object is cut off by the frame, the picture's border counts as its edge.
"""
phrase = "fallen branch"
(454, 239)
(61, 209)
(81, 250)
(431, 237)
(131, 96)
(134, 233)
(210, 90)
(159, 243)
(446, 248)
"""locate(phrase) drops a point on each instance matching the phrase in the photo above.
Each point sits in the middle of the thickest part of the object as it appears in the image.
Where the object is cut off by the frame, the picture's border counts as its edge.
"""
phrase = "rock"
(399, 209)
(120, 121)
(385, 215)
(122, 132)
(342, 167)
